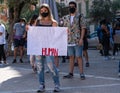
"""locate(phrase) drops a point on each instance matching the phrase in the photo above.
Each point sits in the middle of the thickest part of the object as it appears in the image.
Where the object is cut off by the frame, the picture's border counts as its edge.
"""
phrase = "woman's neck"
(46, 19)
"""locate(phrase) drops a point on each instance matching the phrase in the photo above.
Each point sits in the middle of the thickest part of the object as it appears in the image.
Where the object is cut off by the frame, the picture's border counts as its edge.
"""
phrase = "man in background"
(19, 35)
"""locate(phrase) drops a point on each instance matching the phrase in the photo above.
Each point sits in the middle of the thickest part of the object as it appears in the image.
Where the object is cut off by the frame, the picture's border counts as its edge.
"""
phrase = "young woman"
(45, 19)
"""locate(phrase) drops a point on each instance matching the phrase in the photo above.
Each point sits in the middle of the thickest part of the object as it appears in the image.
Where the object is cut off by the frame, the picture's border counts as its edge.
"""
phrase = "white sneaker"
(47, 71)
(113, 57)
(41, 89)
(57, 88)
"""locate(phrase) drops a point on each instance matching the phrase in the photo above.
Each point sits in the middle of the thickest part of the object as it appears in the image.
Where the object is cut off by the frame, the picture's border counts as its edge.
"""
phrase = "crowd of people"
(109, 38)
(77, 43)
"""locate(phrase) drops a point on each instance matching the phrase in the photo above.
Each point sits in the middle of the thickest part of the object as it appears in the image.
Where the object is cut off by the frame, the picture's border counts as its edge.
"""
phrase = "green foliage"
(104, 9)
(16, 8)
(62, 10)
(12, 2)
(115, 5)
(27, 13)
(21, 5)
(1, 1)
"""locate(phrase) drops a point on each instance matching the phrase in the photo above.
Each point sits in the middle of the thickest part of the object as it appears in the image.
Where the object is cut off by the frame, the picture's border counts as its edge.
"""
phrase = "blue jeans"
(75, 51)
(40, 61)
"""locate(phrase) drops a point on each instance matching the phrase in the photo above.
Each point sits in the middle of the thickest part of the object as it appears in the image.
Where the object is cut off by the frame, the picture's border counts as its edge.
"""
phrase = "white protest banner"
(47, 41)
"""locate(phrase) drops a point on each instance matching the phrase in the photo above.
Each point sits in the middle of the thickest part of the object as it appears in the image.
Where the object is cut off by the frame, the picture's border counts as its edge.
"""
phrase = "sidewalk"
(101, 77)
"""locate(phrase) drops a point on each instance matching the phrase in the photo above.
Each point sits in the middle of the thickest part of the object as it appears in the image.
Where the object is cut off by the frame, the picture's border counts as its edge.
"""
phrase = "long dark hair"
(33, 19)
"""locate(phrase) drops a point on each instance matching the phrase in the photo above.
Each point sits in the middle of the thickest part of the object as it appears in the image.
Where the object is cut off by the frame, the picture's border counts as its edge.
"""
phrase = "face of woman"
(44, 12)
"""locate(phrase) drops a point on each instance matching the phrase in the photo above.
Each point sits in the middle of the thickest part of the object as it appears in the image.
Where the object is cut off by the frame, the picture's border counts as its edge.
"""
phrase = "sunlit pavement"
(101, 77)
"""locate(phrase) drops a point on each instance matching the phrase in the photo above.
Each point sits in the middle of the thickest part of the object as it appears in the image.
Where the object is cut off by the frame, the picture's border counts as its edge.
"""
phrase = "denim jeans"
(40, 61)
(75, 51)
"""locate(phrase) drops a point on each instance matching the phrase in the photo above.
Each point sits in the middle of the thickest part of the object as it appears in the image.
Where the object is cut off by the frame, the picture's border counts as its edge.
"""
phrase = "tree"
(15, 10)
(103, 9)
(59, 8)
(1, 1)
(115, 6)
(62, 9)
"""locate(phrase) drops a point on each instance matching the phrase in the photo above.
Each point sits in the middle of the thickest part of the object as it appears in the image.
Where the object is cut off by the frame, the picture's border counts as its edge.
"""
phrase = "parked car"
(93, 41)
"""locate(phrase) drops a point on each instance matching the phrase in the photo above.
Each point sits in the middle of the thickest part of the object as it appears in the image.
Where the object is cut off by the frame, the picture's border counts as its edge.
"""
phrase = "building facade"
(65, 2)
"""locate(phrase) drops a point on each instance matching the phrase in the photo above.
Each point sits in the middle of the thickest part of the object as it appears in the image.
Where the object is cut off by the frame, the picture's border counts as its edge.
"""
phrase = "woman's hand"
(27, 27)
(54, 24)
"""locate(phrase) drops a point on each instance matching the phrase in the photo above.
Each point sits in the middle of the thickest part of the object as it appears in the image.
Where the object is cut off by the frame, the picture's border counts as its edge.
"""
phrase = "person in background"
(19, 35)
(32, 57)
(45, 19)
(2, 43)
(85, 48)
(111, 36)
(6, 45)
(61, 23)
(76, 29)
(116, 35)
(119, 69)
(85, 53)
(105, 38)
(99, 34)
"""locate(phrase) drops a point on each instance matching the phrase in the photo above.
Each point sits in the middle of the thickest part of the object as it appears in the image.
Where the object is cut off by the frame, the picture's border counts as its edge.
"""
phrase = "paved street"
(101, 77)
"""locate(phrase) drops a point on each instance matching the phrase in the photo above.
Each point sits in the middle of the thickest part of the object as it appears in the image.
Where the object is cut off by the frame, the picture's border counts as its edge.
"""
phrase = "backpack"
(86, 30)
(80, 21)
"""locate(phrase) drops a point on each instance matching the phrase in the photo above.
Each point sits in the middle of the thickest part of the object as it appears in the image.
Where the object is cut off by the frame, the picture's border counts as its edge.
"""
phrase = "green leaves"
(103, 9)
